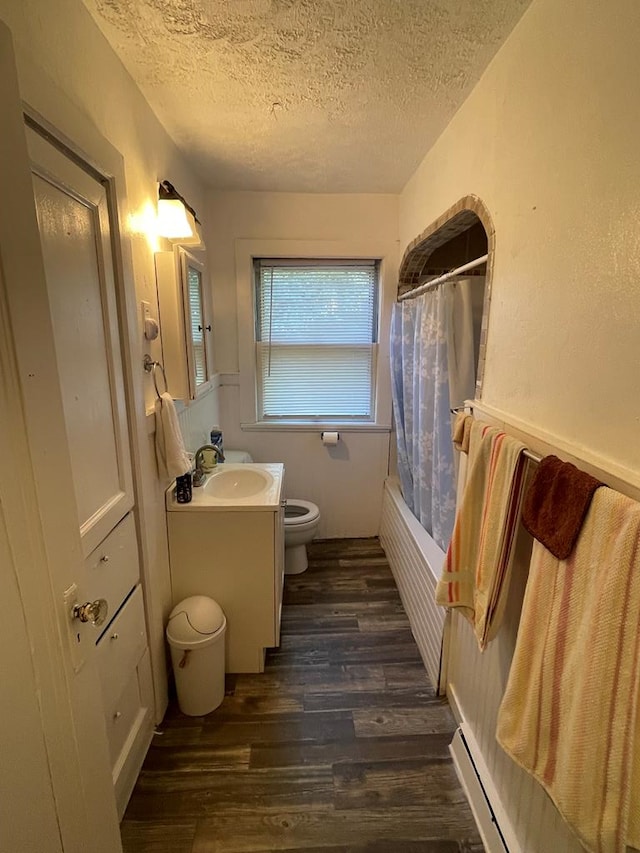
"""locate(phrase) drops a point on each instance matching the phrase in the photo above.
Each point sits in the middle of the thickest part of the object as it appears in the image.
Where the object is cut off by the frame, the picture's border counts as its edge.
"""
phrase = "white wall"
(346, 481)
(70, 75)
(25, 765)
(548, 140)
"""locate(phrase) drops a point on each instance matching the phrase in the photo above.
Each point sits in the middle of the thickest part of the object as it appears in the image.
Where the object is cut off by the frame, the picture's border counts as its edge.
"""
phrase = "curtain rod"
(411, 294)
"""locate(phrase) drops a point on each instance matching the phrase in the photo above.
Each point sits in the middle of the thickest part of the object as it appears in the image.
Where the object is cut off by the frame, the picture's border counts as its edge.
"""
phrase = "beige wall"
(70, 75)
(548, 140)
(346, 481)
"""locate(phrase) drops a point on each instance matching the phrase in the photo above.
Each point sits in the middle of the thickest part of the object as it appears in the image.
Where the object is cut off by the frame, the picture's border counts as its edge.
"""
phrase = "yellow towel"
(462, 431)
(475, 576)
(569, 714)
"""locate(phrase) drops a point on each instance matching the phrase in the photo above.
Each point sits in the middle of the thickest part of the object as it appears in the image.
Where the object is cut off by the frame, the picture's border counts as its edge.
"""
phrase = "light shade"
(175, 222)
(197, 240)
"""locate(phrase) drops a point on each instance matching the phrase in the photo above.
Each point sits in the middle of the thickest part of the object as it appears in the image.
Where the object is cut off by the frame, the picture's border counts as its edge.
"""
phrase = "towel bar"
(528, 454)
(150, 367)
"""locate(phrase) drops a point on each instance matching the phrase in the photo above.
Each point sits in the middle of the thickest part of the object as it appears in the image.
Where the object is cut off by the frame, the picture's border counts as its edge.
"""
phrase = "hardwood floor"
(341, 745)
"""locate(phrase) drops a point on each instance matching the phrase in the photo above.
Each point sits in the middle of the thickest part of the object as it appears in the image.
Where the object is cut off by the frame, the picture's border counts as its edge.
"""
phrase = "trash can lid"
(195, 621)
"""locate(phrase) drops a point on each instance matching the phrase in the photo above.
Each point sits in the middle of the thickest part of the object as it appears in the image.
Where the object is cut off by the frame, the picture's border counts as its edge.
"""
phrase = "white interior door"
(67, 512)
(73, 220)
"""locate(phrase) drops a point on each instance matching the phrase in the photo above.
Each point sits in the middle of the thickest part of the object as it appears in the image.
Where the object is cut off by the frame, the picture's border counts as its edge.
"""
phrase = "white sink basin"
(237, 483)
(234, 486)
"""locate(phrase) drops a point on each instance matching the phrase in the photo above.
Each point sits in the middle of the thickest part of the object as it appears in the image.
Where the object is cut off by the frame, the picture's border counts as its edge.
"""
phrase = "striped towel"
(475, 576)
(569, 714)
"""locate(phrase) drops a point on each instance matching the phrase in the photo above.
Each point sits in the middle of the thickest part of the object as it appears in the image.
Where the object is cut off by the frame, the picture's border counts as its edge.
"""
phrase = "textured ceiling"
(306, 95)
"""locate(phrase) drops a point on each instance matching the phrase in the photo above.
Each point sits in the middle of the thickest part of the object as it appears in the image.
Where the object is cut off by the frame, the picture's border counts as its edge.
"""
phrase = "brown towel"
(556, 504)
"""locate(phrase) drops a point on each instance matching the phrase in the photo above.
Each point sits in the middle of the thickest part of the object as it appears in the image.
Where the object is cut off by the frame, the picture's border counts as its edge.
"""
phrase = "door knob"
(91, 611)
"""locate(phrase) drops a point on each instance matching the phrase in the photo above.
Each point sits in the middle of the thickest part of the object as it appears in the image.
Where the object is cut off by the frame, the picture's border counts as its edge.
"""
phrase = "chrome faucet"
(199, 474)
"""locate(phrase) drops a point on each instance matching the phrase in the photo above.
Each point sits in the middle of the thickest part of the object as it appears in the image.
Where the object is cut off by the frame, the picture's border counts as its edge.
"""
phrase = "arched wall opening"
(464, 232)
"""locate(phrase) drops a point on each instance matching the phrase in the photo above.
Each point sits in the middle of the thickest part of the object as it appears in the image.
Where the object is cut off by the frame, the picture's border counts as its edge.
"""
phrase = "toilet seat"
(308, 512)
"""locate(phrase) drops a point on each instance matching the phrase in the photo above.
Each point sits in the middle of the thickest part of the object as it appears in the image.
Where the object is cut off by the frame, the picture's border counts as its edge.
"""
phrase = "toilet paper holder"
(330, 438)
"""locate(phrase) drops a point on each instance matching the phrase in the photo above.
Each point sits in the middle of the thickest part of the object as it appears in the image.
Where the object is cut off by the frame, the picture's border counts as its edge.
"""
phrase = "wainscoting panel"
(528, 820)
(416, 561)
(197, 419)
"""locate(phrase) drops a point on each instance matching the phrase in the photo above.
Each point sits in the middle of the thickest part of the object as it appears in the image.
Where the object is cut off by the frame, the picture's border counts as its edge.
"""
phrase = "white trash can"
(195, 633)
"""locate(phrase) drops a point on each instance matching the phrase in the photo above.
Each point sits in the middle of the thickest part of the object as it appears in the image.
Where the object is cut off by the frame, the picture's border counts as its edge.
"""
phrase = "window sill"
(314, 426)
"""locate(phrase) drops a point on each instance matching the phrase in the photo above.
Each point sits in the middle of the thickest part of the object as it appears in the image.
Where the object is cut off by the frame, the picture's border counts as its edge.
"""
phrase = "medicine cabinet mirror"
(185, 322)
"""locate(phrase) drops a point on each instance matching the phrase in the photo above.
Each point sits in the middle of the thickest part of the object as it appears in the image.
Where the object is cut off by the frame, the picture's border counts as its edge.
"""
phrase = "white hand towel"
(173, 460)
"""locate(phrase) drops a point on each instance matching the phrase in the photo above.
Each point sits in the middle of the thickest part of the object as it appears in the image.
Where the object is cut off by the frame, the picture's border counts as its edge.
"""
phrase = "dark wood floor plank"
(349, 608)
(194, 759)
(303, 679)
(306, 626)
(406, 674)
(199, 796)
(242, 832)
(338, 701)
(302, 728)
(398, 845)
(158, 835)
(400, 653)
(333, 566)
(348, 640)
(340, 746)
(360, 749)
(329, 595)
(401, 722)
(433, 785)
(268, 703)
(339, 548)
(384, 622)
(169, 737)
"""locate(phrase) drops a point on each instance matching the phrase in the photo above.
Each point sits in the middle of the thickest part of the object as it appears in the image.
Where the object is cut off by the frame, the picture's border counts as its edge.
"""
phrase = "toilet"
(301, 519)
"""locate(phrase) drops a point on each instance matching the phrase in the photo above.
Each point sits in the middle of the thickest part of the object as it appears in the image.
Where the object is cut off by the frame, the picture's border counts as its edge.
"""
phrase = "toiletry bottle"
(184, 488)
(216, 440)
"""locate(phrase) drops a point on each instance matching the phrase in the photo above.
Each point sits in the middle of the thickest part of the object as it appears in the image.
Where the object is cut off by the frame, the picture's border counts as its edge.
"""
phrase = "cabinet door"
(278, 567)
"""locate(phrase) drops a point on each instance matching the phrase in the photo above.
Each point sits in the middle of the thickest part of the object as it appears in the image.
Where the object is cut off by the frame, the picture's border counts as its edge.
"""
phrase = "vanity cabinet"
(235, 556)
(185, 322)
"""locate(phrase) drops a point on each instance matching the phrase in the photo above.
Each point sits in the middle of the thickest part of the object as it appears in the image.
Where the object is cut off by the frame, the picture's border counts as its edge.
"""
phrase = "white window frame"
(248, 250)
(264, 346)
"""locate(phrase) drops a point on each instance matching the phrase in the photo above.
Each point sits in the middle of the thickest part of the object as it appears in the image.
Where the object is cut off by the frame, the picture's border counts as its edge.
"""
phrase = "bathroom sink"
(237, 483)
(234, 486)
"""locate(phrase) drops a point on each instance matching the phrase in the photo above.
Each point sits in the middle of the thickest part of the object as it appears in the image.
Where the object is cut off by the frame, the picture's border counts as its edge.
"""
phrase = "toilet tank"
(237, 456)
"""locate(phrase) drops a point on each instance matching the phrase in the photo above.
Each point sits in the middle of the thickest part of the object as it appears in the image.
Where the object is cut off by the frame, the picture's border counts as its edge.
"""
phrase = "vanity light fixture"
(176, 219)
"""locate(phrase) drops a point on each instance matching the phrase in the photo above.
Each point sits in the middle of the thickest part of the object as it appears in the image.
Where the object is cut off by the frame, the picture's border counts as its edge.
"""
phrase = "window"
(316, 337)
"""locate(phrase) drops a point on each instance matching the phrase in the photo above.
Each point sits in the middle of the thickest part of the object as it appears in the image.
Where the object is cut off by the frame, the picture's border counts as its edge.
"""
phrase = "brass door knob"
(91, 611)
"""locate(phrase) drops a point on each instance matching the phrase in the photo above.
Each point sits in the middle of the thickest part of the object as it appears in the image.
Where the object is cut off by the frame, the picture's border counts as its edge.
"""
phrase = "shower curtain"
(432, 370)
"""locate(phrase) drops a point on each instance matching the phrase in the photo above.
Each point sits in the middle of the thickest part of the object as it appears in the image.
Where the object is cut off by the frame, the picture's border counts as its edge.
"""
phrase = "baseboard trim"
(480, 806)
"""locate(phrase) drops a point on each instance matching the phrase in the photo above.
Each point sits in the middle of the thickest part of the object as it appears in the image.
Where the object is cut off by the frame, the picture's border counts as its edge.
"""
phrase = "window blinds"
(316, 329)
(194, 279)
